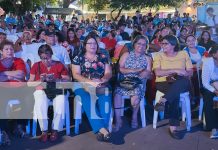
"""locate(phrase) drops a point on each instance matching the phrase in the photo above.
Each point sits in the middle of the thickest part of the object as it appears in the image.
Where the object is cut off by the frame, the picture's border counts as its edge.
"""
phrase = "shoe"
(214, 134)
(160, 106)
(175, 134)
(54, 136)
(134, 124)
(43, 137)
(5, 139)
(103, 138)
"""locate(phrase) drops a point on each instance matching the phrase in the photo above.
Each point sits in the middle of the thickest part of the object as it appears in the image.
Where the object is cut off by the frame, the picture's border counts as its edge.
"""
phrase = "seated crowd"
(106, 61)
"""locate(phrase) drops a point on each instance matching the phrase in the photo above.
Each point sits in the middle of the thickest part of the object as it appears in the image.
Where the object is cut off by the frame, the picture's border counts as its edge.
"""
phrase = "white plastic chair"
(142, 112)
(142, 109)
(67, 118)
(186, 109)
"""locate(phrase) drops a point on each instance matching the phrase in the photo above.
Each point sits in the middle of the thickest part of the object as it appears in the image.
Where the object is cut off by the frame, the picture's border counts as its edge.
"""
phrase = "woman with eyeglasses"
(172, 68)
(92, 70)
(48, 71)
(134, 64)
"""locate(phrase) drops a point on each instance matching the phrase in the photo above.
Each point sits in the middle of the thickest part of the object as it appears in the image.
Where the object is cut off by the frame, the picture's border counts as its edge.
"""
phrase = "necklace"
(91, 59)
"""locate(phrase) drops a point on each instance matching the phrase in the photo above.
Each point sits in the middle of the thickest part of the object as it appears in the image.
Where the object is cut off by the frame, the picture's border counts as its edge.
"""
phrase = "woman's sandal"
(160, 106)
(54, 136)
(103, 138)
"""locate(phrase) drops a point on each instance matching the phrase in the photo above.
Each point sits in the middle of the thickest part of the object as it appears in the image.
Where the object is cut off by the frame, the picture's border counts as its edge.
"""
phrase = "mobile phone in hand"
(49, 77)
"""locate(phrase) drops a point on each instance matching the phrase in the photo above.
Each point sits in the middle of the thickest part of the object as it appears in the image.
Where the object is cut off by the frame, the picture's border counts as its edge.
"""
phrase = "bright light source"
(18, 2)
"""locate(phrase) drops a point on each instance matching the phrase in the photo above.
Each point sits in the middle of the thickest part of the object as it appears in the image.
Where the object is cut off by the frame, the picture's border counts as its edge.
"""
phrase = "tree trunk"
(112, 14)
(66, 3)
(118, 14)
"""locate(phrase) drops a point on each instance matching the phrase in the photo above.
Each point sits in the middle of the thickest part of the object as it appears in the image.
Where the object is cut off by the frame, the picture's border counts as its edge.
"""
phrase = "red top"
(109, 43)
(18, 64)
(57, 69)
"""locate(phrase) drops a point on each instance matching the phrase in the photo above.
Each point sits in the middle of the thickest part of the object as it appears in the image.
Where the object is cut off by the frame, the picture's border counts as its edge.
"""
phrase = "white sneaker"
(214, 134)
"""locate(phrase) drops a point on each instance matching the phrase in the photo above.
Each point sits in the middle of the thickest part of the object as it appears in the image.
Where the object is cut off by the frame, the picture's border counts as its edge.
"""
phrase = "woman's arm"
(18, 74)
(3, 78)
(147, 72)
(76, 72)
(122, 68)
(107, 74)
(33, 83)
(163, 72)
(206, 71)
(65, 78)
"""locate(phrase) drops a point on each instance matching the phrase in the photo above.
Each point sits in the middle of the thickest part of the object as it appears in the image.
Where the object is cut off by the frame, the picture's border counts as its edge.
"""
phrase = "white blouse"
(209, 73)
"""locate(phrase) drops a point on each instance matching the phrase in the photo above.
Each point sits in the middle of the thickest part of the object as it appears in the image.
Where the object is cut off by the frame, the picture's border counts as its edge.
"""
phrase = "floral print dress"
(91, 69)
(134, 62)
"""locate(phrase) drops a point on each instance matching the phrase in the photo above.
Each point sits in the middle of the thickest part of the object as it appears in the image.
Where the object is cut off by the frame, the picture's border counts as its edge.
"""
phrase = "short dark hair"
(6, 42)
(190, 35)
(86, 40)
(173, 40)
(45, 49)
(139, 37)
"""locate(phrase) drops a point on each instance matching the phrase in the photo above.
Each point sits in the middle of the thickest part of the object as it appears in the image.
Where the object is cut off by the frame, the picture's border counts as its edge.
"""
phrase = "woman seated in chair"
(12, 78)
(210, 84)
(48, 71)
(196, 54)
(172, 68)
(134, 64)
(94, 69)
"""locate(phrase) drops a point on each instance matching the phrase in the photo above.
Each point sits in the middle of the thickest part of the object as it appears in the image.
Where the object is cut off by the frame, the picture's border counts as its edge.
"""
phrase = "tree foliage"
(26, 5)
(119, 5)
(96, 5)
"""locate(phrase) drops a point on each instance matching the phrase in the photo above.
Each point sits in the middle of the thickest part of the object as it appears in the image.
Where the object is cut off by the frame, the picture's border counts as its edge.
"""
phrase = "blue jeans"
(97, 110)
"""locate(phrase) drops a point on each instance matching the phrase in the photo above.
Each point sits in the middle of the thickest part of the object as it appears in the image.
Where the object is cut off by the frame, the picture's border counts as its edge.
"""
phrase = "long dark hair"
(201, 38)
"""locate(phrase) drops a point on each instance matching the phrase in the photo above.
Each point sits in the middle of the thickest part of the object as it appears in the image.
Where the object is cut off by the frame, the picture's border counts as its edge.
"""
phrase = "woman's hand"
(146, 74)
(50, 77)
(216, 92)
(181, 72)
(96, 82)
(42, 77)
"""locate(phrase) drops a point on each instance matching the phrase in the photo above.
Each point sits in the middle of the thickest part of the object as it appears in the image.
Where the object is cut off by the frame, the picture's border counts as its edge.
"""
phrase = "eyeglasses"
(91, 43)
(141, 44)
